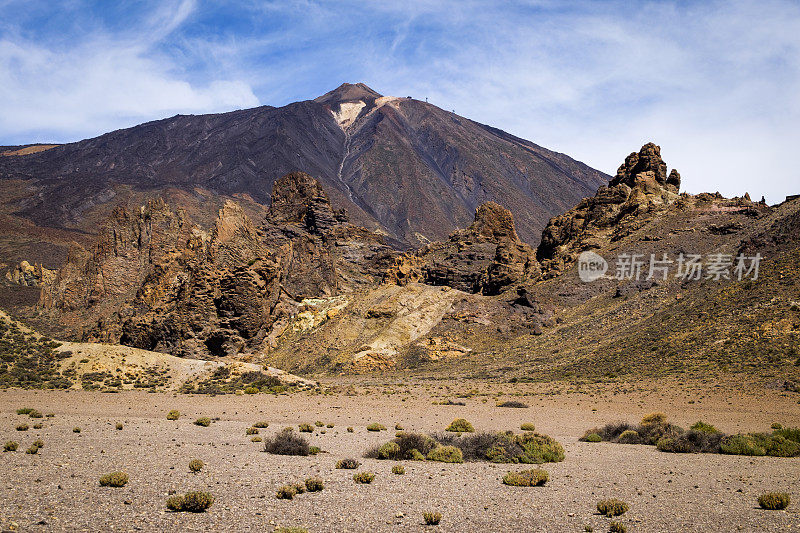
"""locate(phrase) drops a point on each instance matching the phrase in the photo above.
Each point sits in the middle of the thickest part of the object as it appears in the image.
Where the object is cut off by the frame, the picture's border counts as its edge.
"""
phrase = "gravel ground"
(57, 489)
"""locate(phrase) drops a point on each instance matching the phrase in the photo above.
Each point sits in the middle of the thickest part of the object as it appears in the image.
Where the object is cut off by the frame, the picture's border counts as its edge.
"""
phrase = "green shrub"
(286, 442)
(193, 502)
(792, 434)
(612, 507)
(24, 410)
(35, 414)
(376, 427)
(261, 425)
(10, 446)
(256, 439)
(692, 441)
(617, 527)
(196, 465)
(251, 431)
(32, 450)
(119, 426)
(459, 425)
(432, 518)
(416, 455)
(306, 428)
(50, 415)
(703, 427)
(363, 477)
(39, 443)
(539, 449)
(76, 429)
(37, 426)
(252, 390)
(774, 501)
(654, 419)
(390, 450)
(347, 464)
(527, 426)
(446, 454)
(286, 492)
(314, 450)
(319, 424)
(299, 488)
(203, 422)
(398, 469)
(527, 478)
(114, 479)
(593, 437)
(629, 437)
(314, 484)
(776, 425)
(398, 427)
(350, 430)
(22, 427)
(173, 415)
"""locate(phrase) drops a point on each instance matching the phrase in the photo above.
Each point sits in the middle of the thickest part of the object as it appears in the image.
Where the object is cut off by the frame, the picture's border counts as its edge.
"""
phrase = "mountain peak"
(348, 92)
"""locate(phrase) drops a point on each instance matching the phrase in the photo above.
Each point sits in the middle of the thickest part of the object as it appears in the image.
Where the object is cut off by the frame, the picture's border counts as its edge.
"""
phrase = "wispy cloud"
(716, 83)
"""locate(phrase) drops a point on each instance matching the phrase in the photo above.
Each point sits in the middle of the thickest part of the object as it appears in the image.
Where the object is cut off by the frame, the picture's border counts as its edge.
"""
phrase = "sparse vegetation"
(22, 427)
(363, 477)
(287, 442)
(173, 415)
(286, 492)
(774, 501)
(119, 426)
(514, 404)
(251, 431)
(314, 450)
(196, 465)
(460, 425)
(29, 361)
(10, 446)
(306, 428)
(376, 427)
(33, 413)
(617, 527)
(261, 425)
(527, 426)
(527, 478)
(593, 437)
(432, 518)
(612, 507)
(347, 464)
(76, 429)
(398, 469)
(32, 450)
(350, 430)
(114, 479)
(414, 446)
(256, 439)
(203, 422)
(703, 427)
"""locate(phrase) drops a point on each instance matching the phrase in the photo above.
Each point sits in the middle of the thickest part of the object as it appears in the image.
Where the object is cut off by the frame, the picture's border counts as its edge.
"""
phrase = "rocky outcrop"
(29, 275)
(486, 257)
(641, 185)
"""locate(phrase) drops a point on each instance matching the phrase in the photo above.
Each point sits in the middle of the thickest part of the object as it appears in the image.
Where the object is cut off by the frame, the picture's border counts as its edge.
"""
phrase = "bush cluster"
(527, 478)
(287, 442)
(173, 415)
(363, 477)
(460, 425)
(196, 465)
(193, 502)
(432, 518)
(774, 501)
(114, 479)
(347, 464)
(612, 507)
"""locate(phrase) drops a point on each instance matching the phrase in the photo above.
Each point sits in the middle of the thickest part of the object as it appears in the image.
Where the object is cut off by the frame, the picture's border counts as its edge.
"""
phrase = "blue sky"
(716, 83)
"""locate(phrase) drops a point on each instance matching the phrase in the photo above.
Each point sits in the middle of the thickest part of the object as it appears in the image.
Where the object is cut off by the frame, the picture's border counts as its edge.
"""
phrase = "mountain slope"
(398, 165)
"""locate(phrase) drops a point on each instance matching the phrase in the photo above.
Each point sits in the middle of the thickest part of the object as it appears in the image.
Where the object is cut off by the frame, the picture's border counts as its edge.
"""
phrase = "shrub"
(196, 465)
(173, 415)
(527, 478)
(24, 410)
(617, 527)
(446, 454)
(319, 424)
(792, 434)
(22, 427)
(398, 427)
(432, 518)
(654, 419)
(50, 415)
(37, 426)
(416, 455)
(703, 427)
(350, 430)
(252, 390)
(196, 501)
(592, 437)
(32, 450)
(776, 425)
(314, 484)
(406, 445)
(539, 449)
(35, 414)
(299, 488)
(376, 427)
(314, 450)
(306, 428)
(39, 443)
(256, 439)
(774, 501)
(347, 464)
(692, 441)
(329, 425)
(363, 477)
(612, 507)
(527, 426)
(174, 503)
(261, 425)
(286, 492)
(398, 469)
(286, 442)
(119, 426)
(629, 437)
(203, 422)
(515, 404)
(114, 479)
(251, 431)
(459, 425)
(390, 450)
(76, 429)
(10, 446)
